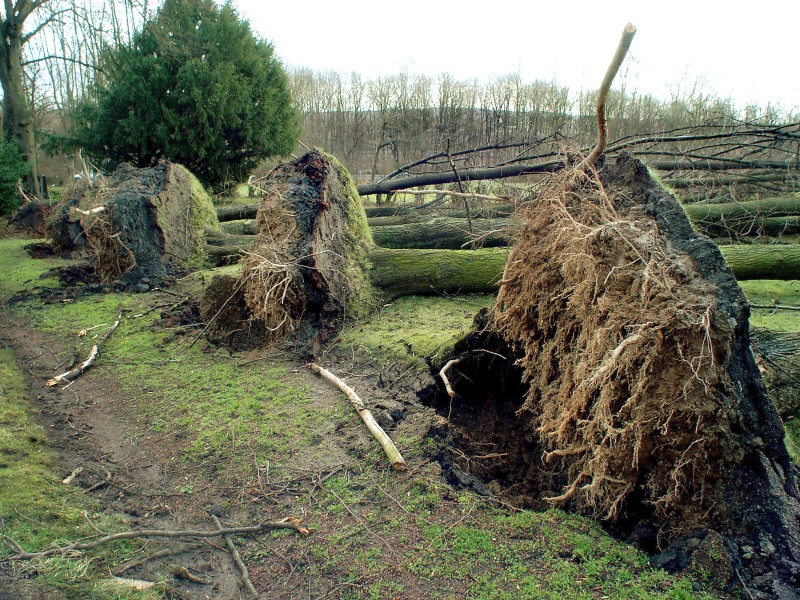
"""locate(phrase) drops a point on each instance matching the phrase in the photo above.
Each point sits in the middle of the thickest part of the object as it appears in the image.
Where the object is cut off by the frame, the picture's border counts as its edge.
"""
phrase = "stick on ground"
(73, 374)
(288, 523)
(395, 458)
(248, 583)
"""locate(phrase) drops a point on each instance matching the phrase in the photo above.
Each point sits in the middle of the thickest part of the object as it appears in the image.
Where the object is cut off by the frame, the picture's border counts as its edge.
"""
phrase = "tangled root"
(273, 283)
(624, 352)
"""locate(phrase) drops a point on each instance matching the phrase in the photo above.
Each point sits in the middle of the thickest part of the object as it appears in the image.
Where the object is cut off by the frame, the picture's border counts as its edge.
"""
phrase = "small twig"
(747, 591)
(72, 476)
(237, 559)
(775, 307)
(100, 484)
(92, 525)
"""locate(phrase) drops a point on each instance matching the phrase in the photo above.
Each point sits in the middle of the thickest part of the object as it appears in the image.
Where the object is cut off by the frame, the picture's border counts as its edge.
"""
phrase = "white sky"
(747, 50)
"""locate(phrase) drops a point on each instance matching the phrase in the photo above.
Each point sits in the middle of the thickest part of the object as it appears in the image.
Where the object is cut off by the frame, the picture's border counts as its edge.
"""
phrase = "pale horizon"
(728, 53)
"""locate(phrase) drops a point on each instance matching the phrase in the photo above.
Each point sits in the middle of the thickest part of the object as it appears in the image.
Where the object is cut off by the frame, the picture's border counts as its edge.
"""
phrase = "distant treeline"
(376, 125)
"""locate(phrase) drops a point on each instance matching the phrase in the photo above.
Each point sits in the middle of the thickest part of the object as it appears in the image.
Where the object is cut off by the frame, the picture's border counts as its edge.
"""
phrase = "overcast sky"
(744, 50)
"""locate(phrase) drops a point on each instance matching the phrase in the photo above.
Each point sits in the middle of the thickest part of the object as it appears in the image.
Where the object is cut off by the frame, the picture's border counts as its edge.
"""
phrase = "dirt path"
(92, 424)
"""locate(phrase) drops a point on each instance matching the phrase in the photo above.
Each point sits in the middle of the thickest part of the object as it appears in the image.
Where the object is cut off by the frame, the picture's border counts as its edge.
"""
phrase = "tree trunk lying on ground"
(614, 377)
(444, 233)
(751, 261)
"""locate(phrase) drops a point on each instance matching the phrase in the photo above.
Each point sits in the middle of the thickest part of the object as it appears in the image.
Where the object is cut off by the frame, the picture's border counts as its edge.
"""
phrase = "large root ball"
(308, 264)
(141, 224)
(627, 389)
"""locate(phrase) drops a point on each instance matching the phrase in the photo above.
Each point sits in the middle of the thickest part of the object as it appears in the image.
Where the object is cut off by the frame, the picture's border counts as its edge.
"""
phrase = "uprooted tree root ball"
(627, 389)
(308, 263)
(141, 224)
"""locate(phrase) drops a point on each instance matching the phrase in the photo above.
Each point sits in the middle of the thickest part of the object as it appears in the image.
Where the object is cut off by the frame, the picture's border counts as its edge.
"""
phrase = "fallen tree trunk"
(763, 261)
(445, 233)
(517, 170)
(240, 227)
(411, 272)
(237, 212)
(733, 212)
(401, 272)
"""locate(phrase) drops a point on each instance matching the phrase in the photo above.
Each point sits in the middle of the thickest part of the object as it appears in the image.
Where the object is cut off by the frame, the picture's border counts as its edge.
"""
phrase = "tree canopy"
(197, 87)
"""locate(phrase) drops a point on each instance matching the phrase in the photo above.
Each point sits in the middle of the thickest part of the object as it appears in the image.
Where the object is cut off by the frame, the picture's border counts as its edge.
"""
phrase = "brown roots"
(622, 344)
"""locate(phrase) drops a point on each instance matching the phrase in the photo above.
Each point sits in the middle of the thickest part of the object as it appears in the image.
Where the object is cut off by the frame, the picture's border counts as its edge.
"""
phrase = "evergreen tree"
(197, 87)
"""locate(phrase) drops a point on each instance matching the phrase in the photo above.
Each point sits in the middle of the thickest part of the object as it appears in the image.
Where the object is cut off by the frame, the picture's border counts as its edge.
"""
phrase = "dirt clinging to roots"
(637, 398)
(309, 259)
(141, 224)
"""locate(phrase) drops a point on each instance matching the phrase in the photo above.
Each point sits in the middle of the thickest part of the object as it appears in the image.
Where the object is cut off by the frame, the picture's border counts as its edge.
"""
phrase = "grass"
(415, 329)
(768, 292)
(20, 272)
(37, 510)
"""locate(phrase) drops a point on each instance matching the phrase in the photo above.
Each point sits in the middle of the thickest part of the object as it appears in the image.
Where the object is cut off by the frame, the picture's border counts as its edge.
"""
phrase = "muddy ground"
(433, 531)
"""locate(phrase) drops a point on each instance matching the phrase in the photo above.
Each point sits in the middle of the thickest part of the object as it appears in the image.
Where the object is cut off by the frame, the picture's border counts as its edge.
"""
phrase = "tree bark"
(237, 212)
(734, 213)
(17, 116)
(763, 261)
(418, 272)
(401, 272)
(444, 233)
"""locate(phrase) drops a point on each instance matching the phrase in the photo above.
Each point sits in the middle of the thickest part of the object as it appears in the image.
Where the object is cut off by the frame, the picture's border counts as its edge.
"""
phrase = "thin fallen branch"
(73, 374)
(474, 195)
(248, 583)
(775, 307)
(288, 523)
(395, 458)
(72, 476)
(602, 96)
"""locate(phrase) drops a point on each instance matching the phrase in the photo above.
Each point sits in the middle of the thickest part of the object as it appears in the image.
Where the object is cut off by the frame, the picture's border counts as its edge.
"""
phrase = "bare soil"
(93, 424)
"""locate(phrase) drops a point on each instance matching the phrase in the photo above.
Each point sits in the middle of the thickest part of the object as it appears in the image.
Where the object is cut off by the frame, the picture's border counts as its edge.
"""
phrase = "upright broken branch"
(602, 95)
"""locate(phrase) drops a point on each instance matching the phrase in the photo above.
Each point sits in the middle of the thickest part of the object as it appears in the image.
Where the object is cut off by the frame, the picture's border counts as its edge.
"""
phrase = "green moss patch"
(415, 328)
(20, 272)
(768, 292)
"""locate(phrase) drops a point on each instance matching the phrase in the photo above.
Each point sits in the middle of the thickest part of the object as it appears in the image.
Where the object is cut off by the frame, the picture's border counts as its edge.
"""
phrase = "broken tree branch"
(602, 95)
(396, 459)
(248, 583)
(73, 374)
(288, 523)
(443, 375)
